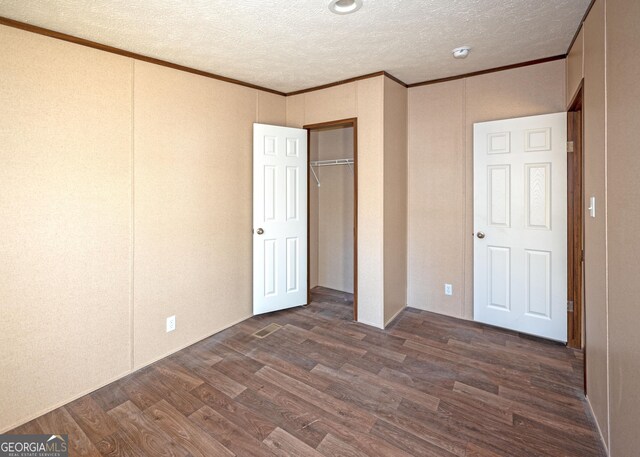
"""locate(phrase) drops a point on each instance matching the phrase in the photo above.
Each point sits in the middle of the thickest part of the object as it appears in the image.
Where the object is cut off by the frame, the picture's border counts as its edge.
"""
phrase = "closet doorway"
(332, 214)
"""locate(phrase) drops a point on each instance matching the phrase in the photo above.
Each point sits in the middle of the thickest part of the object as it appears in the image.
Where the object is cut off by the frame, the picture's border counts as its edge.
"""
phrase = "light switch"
(592, 206)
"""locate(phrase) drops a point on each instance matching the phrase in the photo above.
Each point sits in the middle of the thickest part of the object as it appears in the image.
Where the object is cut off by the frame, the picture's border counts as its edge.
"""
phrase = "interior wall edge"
(575, 94)
(606, 222)
(466, 304)
(392, 318)
(382, 202)
(132, 215)
(584, 17)
(574, 68)
(371, 324)
(408, 234)
(607, 328)
(395, 113)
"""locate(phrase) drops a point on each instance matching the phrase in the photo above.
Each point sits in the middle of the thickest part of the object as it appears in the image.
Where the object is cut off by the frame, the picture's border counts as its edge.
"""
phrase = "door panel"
(499, 277)
(538, 283)
(499, 195)
(520, 195)
(538, 196)
(279, 218)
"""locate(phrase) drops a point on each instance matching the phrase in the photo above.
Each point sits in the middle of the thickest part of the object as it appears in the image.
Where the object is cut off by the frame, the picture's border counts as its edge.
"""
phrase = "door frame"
(575, 221)
(350, 122)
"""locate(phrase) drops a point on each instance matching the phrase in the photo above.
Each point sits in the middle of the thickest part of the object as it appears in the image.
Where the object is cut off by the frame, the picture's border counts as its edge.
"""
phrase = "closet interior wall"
(331, 211)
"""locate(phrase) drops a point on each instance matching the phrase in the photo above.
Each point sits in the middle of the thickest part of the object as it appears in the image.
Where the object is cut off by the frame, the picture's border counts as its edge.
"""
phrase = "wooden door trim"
(350, 122)
(575, 221)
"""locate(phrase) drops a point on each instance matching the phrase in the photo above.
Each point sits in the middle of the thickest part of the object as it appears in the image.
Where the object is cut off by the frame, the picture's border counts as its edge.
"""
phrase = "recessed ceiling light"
(461, 53)
(345, 6)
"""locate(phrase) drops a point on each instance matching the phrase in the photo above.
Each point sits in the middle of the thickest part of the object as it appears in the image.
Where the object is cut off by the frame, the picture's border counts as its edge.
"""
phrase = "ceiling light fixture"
(345, 6)
(461, 53)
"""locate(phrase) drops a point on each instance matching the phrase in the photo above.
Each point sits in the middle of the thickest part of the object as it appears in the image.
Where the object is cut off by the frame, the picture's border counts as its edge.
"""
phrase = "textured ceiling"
(296, 44)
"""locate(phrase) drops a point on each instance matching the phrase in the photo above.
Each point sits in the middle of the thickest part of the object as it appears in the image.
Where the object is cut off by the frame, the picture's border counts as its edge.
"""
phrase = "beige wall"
(65, 201)
(441, 118)
(332, 205)
(611, 116)
(575, 67)
(395, 199)
(86, 186)
(193, 207)
(436, 197)
(623, 162)
(363, 99)
(595, 228)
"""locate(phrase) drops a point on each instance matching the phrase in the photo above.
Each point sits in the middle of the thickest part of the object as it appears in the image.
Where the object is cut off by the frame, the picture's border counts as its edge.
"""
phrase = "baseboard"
(120, 376)
(604, 443)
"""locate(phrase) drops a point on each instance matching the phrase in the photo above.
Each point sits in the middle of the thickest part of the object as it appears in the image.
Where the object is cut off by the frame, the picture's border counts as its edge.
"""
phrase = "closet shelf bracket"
(327, 163)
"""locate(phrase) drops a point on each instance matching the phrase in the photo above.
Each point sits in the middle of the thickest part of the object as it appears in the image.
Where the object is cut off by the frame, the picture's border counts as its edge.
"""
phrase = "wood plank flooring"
(323, 385)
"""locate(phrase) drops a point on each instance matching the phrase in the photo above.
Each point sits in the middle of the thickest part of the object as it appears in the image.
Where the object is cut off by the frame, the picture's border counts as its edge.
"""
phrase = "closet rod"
(327, 163)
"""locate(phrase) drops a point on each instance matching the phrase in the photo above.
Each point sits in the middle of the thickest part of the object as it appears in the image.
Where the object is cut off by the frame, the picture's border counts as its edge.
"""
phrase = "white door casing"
(520, 205)
(279, 218)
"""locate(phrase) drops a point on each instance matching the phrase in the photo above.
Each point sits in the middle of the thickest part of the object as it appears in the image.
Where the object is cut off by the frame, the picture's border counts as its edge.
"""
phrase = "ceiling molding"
(347, 81)
(83, 42)
(393, 78)
(490, 70)
(102, 47)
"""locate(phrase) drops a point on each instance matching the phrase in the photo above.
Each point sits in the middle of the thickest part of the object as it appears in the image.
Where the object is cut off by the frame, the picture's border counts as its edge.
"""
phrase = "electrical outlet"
(448, 289)
(171, 323)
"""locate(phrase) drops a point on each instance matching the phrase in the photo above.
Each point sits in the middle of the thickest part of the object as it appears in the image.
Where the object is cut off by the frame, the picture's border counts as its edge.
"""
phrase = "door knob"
(480, 235)
(259, 231)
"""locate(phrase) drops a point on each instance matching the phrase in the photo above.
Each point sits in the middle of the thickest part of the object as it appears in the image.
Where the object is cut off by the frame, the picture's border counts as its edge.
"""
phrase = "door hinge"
(570, 306)
(569, 146)
(582, 255)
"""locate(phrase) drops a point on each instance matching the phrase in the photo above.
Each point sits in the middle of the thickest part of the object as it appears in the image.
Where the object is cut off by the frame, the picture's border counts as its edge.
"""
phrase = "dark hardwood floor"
(323, 385)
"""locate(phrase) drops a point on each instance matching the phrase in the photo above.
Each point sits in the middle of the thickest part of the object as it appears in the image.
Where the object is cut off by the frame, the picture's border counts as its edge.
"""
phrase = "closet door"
(279, 218)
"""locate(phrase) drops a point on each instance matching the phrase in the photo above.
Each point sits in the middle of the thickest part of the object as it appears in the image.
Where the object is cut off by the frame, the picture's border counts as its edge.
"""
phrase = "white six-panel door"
(279, 218)
(520, 224)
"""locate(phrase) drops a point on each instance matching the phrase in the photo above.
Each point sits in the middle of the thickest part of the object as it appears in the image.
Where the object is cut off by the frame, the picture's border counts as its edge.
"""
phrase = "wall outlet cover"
(448, 289)
(171, 323)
